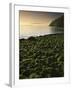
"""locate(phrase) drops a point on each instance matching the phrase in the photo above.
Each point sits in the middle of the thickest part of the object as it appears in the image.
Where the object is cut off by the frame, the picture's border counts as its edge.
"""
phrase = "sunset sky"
(35, 22)
(37, 18)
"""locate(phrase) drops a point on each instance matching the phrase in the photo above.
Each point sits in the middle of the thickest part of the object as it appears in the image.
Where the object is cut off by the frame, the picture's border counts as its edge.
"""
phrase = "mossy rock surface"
(41, 57)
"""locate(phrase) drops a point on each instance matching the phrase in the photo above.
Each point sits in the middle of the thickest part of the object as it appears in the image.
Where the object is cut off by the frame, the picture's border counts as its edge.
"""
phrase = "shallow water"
(27, 31)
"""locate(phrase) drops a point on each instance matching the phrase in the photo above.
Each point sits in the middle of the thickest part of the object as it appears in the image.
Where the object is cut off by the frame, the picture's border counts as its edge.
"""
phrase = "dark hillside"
(59, 22)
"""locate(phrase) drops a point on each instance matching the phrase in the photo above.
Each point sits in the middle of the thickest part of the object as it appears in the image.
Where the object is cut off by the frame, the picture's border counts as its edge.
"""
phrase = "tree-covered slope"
(59, 22)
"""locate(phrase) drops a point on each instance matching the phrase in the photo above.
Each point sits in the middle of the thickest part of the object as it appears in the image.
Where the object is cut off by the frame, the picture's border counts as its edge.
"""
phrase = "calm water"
(27, 31)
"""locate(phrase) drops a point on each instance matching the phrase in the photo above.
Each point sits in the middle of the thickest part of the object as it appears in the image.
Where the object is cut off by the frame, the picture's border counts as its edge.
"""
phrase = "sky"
(37, 18)
(33, 23)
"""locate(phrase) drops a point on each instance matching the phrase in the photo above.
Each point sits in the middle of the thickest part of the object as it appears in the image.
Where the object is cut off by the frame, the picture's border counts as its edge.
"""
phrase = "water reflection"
(27, 31)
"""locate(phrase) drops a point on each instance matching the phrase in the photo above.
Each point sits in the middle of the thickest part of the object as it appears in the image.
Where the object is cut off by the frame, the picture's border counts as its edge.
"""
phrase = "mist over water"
(28, 31)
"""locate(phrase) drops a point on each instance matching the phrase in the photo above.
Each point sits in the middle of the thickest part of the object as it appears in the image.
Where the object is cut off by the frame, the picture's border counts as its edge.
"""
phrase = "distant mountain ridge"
(59, 22)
